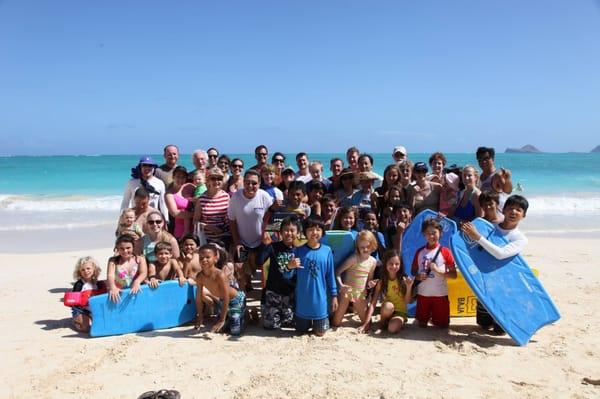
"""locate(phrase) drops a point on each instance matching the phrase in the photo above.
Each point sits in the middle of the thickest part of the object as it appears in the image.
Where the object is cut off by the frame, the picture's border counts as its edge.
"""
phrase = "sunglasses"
(279, 160)
(215, 178)
(223, 163)
(153, 222)
(263, 154)
(237, 166)
(212, 156)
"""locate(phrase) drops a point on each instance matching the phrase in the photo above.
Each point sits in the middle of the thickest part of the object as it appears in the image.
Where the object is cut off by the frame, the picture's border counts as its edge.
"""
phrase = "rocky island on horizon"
(526, 149)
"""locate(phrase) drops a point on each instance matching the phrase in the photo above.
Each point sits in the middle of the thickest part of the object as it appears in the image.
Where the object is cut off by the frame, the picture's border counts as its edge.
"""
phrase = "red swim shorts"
(436, 308)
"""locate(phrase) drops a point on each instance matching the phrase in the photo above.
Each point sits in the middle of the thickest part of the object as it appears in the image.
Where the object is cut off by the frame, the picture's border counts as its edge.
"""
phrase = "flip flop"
(162, 394)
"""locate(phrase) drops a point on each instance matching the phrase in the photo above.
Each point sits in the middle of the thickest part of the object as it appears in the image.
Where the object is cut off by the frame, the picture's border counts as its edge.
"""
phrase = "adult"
(303, 174)
(200, 160)
(485, 158)
(224, 162)
(336, 165)
(212, 155)
(352, 154)
(437, 162)
(246, 211)
(210, 215)
(399, 154)
(278, 160)
(236, 180)
(178, 199)
(344, 194)
(261, 154)
(165, 171)
(141, 198)
(427, 194)
(365, 164)
(143, 176)
(155, 225)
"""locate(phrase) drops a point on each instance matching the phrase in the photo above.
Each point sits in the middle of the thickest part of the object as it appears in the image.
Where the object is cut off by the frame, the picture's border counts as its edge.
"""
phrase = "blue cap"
(421, 167)
(147, 160)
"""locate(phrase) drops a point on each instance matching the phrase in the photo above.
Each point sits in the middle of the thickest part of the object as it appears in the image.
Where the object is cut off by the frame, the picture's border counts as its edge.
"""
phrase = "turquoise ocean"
(52, 194)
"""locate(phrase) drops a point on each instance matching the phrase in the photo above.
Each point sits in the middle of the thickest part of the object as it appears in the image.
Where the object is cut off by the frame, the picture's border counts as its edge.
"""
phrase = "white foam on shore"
(41, 203)
(56, 226)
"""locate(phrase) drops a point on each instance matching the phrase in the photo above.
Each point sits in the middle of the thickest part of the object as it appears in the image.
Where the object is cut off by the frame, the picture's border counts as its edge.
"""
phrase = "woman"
(156, 232)
(210, 216)
(224, 163)
(346, 191)
(427, 194)
(178, 200)
(236, 180)
(437, 161)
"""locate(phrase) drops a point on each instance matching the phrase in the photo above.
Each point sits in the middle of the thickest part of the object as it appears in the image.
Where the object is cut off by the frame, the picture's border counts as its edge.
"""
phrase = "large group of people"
(217, 225)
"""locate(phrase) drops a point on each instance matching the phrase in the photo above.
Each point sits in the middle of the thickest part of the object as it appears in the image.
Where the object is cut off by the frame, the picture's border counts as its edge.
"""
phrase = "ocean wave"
(59, 204)
(56, 226)
(585, 204)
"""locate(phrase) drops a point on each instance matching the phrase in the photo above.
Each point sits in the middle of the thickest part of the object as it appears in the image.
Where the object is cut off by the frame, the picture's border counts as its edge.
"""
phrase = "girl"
(391, 177)
(448, 196)
(405, 183)
(359, 269)
(155, 227)
(467, 207)
(427, 194)
(346, 220)
(126, 270)
(395, 287)
(127, 224)
(86, 273)
(178, 200)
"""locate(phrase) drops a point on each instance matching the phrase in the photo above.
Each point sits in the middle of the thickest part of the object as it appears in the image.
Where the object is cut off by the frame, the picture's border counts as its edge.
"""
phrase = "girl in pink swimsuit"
(178, 200)
(125, 270)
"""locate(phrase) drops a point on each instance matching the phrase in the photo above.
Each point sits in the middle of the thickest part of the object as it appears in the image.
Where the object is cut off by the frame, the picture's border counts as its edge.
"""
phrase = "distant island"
(526, 149)
(597, 149)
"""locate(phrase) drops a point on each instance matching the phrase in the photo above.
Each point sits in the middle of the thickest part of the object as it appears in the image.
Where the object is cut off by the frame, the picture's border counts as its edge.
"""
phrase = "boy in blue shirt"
(315, 280)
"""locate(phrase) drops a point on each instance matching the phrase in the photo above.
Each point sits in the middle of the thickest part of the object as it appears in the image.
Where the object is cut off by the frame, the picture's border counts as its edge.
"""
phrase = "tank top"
(148, 249)
(465, 213)
(182, 204)
(356, 278)
(395, 294)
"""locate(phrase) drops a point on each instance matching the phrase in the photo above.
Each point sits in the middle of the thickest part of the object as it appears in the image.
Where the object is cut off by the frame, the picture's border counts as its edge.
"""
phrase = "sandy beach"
(45, 358)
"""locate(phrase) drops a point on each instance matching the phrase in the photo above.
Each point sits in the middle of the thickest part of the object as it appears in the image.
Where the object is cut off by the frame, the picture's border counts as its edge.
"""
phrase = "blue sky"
(81, 77)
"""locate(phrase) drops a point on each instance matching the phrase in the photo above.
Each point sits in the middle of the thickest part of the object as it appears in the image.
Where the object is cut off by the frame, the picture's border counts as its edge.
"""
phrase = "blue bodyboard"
(169, 305)
(341, 243)
(507, 288)
(413, 239)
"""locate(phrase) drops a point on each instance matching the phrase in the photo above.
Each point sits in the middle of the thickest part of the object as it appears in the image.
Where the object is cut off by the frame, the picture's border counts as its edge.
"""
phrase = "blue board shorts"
(234, 321)
(319, 326)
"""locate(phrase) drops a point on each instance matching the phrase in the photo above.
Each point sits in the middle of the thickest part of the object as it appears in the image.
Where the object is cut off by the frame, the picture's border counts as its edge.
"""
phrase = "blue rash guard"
(313, 281)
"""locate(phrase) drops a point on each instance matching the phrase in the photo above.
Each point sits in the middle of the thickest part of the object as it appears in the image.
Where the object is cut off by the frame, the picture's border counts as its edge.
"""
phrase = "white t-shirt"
(435, 284)
(248, 215)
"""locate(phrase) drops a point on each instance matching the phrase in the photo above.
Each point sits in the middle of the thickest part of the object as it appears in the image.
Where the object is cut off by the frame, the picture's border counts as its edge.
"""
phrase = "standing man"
(261, 154)
(352, 154)
(399, 154)
(485, 158)
(246, 211)
(165, 171)
(303, 173)
(213, 155)
(143, 176)
(336, 165)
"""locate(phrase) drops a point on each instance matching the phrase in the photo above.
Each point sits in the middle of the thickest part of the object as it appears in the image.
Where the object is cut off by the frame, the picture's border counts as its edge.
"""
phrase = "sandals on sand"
(162, 394)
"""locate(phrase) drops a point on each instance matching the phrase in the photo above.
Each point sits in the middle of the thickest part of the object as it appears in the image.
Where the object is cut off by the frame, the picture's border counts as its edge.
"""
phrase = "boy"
(230, 302)
(489, 202)
(316, 171)
(268, 173)
(315, 280)
(165, 267)
(515, 210)
(189, 257)
(371, 224)
(277, 305)
(431, 266)
(316, 191)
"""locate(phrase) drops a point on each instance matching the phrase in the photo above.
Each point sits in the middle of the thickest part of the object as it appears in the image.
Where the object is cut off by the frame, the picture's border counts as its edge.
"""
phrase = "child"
(127, 224)
(403, 215)
(362, 198)
(489, 202)
(370, 224)
(86, 273)
(345, 219)
(515, 210)
(395, 287)
(449, 193)
(125, 270)
(346, 191)
(198, 179)
(431, 266)
(189, 257)
(164, 267)
(277, 305)
(268, 175)
(315, 280)
(358, 269)
(316, 191)
(328, 210)
(467, 207)
(316, 172)
(231, 302)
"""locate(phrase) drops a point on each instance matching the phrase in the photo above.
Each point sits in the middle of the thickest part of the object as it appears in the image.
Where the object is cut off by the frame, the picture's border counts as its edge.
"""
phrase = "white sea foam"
(32, 203)
(584, 204)
(73, 225)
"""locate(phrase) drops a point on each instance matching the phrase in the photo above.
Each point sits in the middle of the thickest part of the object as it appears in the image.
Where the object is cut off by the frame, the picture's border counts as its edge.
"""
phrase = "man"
(399, 154)
(165, 171)
(336, 165)
(141, 199)
(143, 176)
(303, 173)
(246, 211)
(485, 158)
(213, 155)
(261, 154)
(352, 158)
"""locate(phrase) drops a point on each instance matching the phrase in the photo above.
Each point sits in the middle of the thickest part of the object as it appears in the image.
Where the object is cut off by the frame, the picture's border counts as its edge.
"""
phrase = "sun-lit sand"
(43, 357)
